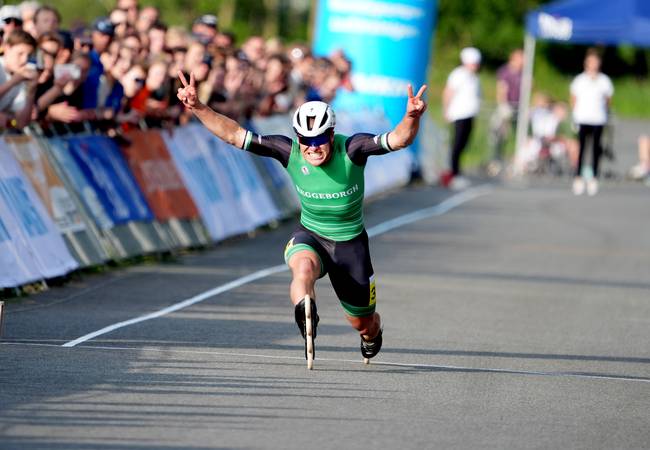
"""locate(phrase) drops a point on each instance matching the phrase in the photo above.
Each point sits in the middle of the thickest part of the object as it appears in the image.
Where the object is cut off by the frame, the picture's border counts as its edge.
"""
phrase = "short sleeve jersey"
(466, 99)
(512, 79)
(591, 95)
(331, 195)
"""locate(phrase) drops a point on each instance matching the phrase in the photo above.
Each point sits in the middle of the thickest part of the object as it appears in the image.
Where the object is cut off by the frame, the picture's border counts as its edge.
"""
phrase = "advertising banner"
(100, 161)
(198, 175)
(241, 180)
(60, 150)
(223, 181)
(58, 201)
(388, 42)
(158, 177)
(32, 247)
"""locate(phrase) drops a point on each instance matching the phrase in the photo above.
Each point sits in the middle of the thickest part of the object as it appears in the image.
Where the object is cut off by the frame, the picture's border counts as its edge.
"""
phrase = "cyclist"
(327, 171)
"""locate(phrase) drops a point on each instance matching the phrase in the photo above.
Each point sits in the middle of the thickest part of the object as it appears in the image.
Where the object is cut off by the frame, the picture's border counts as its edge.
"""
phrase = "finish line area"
(513, 318)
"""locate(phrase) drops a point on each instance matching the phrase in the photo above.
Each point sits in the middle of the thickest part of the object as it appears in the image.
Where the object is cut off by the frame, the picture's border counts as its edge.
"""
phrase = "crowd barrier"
(76, 201)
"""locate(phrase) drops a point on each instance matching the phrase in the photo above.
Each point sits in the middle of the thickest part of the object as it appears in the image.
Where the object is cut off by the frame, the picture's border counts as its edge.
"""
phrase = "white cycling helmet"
(323, 115)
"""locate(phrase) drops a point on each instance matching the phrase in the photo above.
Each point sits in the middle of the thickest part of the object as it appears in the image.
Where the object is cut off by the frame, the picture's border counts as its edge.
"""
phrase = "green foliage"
(494, 26)
(250, 16)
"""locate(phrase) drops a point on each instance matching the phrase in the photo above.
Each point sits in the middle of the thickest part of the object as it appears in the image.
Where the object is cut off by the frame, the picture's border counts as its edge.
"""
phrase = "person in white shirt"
(17, 80)
(591, 94)
(461, 101)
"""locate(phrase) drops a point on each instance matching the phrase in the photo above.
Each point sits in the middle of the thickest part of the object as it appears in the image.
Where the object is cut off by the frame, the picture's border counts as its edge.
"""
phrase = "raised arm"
(223, 127)
(405, 131)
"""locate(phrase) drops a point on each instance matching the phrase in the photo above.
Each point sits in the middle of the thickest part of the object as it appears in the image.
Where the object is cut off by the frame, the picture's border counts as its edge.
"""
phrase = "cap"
(104, 25)
(209, 20)
(470, 55)
(10, 12)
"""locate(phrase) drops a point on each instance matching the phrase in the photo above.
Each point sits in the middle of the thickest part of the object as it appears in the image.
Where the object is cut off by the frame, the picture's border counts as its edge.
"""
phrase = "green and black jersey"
(331, 195)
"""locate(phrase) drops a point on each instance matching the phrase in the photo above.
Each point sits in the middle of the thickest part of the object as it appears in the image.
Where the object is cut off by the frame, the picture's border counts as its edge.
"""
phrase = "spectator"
(317, 79)
(156, 35)
(49, 88)
(214, 93)
(67, 107)
(46, 20)
(27, 11)
(17, 80)
(110, 91)
(131, 9)
(149, 15)
(550, 145)
(461, 100)
(504, 118)
(119, 19)
(67, 47)
(135, 101)
(641, 171)
(255, 50)
(193, 57)
(224, 40)
(591, 93)
(11, 19)
(101, 37)
(157, 98)
(276, 97)
(205, 29)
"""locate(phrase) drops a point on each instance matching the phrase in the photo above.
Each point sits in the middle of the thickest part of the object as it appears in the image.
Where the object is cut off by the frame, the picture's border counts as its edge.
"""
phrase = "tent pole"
(524, 92)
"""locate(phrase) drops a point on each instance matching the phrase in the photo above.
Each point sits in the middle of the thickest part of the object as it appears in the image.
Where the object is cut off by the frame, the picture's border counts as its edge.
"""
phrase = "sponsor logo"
(328, 195)
(289, 245)
(373, 292)
(304, 170)
(560, 28)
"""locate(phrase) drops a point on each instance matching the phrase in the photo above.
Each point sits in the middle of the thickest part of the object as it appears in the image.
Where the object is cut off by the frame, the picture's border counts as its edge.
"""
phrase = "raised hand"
(187, 94)
(416, 106)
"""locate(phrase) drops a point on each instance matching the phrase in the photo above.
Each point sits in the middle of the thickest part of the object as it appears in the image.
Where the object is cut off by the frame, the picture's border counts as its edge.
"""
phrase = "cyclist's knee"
(304, 268)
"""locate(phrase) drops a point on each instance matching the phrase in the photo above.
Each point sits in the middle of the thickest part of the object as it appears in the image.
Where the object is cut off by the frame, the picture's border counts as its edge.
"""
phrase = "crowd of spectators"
(121, 71)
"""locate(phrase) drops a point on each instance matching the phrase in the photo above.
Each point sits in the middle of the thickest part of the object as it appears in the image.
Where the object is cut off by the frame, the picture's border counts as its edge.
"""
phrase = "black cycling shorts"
(348, 265)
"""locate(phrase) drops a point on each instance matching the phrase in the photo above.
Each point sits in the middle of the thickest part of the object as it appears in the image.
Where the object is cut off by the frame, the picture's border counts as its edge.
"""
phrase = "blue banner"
(60, 148)
(388, 42)
(14, 193)
(4, 234)
(102, 164)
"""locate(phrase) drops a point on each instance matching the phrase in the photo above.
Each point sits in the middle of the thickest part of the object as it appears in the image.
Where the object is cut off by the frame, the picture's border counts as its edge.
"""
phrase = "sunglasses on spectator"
(14, 20)
(139, 80)
(314, 141)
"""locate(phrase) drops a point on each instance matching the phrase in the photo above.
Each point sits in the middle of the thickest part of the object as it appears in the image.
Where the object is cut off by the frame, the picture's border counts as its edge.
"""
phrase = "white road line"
(431, 367)
(433, 211)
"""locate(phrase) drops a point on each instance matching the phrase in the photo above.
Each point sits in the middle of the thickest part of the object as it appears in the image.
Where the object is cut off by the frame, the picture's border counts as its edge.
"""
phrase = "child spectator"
(17, 80)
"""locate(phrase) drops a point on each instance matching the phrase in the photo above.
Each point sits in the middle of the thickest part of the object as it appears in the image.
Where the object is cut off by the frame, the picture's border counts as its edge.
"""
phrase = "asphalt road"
(518, 319)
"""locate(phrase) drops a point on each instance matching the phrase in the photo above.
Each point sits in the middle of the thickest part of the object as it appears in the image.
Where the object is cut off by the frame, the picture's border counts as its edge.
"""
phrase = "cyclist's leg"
(353, 281)
(305, 270)
(303, 254)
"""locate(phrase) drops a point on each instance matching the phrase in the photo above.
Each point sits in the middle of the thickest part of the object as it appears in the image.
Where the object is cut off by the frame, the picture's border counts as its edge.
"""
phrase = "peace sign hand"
(416, 105)
(187, 94)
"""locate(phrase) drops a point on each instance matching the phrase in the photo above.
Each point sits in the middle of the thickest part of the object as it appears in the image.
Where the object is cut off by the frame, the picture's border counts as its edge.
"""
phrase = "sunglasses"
(13, 20)
(314, 141)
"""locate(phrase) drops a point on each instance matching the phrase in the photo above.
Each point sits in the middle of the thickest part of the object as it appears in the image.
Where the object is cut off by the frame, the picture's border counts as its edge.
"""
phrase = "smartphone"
(31, 63)
(71, 69)
(40, 65)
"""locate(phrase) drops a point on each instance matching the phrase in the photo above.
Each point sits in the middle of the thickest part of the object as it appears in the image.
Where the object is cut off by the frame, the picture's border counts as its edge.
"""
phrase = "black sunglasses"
(14, 20)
